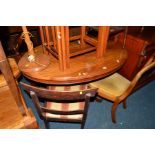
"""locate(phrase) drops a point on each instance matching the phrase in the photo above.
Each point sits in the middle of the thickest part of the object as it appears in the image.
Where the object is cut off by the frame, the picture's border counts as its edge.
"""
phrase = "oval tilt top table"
(84, 68)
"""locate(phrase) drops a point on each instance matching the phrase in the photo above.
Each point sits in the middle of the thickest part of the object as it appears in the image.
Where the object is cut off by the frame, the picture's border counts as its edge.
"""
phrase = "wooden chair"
(116, 88)
(60, 106)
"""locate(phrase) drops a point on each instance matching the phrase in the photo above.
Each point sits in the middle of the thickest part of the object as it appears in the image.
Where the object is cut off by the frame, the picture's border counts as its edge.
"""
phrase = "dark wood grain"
(84, 68)
(71, 96)
(8, 75)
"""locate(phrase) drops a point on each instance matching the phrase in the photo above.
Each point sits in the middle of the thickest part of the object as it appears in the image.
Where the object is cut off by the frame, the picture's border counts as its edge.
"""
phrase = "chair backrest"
(59, 95)
(48, 94)
(148, 65)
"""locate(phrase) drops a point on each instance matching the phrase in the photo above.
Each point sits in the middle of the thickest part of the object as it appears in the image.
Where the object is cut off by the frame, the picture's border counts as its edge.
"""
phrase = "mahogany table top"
(83, 68)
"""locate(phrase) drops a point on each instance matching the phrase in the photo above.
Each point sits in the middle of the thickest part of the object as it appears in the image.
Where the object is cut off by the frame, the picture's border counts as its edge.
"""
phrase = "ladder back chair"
(117, 88)
(61, 106)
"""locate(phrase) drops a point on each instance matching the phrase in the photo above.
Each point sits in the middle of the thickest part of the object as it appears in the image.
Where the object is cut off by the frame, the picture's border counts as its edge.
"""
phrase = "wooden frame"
(122, 98)
(60, 96)
(15, 113)
(7, 73)
(57, 41)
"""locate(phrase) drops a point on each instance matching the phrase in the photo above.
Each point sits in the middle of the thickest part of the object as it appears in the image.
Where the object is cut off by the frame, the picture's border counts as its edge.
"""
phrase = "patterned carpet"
(138, 115)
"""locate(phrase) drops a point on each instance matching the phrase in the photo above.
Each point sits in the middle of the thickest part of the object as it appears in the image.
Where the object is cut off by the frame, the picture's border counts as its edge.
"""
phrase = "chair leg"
(124, 104)
(82, 124)
(98, 99)
(46, 125)
(113, 111)
(83, 121)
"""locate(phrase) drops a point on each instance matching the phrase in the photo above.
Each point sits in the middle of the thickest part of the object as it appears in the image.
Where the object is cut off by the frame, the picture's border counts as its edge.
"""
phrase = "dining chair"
(62, 104)
(117, 88)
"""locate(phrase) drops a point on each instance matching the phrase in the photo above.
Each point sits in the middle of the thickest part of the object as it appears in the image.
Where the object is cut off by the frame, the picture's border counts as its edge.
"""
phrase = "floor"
(138, 115)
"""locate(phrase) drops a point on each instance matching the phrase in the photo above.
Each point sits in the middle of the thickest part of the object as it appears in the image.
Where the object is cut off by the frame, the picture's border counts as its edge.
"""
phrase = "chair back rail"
(59, 95)
(148, 65)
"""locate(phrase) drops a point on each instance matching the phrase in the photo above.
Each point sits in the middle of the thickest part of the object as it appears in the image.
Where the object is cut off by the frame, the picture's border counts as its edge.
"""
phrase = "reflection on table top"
(83, 68)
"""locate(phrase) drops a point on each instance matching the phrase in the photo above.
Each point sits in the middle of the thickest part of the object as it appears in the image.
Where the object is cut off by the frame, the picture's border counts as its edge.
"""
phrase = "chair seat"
(114, 85)
(65, 107)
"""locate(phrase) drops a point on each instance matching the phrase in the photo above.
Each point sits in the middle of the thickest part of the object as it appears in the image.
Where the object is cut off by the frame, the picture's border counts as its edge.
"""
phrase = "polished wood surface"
(84, 68)
(13, 110)
(14, 68)
(11, 82)
(135, 47)
(140, 43)
(10, 115)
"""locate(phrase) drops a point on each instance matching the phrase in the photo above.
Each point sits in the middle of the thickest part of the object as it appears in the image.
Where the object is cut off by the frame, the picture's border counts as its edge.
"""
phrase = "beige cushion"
(114, 85)
(65, 107)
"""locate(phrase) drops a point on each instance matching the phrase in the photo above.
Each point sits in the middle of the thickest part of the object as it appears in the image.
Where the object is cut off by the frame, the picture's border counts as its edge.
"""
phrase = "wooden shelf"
(58, 41)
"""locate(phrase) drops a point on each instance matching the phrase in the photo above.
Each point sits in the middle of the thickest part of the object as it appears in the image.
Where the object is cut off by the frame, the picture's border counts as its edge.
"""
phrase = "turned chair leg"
(82, 125)
(98, 99)
(124, 104)
(83, 121)
(113, 111)
(46, 125)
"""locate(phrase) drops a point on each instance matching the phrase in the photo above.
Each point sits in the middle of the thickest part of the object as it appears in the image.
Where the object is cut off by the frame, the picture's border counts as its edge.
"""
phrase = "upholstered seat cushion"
(65, 107)
(113, 85)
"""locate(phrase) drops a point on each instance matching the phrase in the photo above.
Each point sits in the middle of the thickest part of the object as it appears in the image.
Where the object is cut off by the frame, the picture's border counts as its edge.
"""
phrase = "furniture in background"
(13, 110)
(86, 64)
(117, 88)
(93, 31)
(140, 43)
(135, 59)
(58, 41)
(68, 105)
(12, 42)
